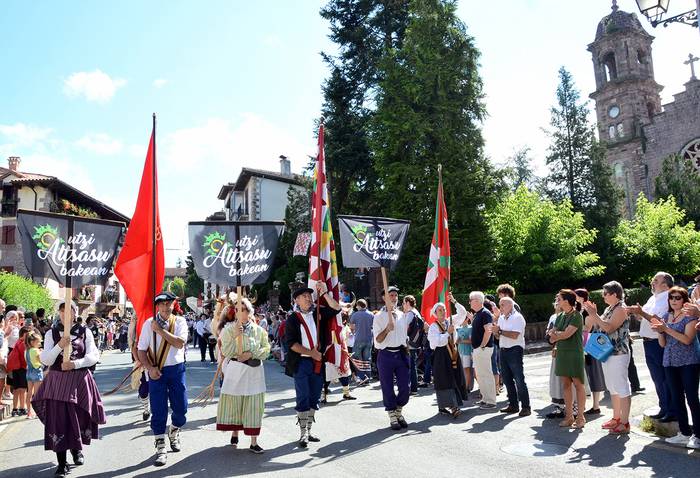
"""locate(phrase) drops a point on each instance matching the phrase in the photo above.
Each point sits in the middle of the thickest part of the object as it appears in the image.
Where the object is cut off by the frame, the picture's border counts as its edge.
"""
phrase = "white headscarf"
(433, 311)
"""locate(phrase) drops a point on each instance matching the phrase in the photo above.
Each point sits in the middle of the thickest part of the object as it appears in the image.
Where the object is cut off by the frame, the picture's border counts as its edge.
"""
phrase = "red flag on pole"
(141, 264)
(437, 277)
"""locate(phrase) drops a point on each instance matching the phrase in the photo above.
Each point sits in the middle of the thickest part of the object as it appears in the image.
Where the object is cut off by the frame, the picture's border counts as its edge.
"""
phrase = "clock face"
(614, 111)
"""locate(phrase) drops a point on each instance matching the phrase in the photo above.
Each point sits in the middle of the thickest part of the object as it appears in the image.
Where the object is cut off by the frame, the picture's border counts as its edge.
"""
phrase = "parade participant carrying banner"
(437, 277)
(234, 253)
(371, 241)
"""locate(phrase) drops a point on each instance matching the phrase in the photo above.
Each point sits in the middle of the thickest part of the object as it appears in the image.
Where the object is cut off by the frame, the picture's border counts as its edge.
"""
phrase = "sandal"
(566, 422)
(456, 412)
(610, 424)
(620, 429)
(580, 422)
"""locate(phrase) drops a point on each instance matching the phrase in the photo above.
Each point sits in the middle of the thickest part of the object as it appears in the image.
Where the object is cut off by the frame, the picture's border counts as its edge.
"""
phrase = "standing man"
(161, 350)
(653, 352)
(390, 339)
(511, 330)
(305, 360)
(204, 332)
(415, 337)
(482, 342)
(361, 324)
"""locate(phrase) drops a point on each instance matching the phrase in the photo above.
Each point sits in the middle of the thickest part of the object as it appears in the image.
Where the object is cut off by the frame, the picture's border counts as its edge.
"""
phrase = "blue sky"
(237, 83)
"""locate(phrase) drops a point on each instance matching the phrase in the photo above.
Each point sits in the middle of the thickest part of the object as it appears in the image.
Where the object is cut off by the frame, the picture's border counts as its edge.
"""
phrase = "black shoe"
(592, 411)
(256, 449)
(413, 392)
(657, 416)
(349, 397)
(423, 385)
(668, 419)
(525, 412)
(234, 441)
(313, 439)
(637, 390)
(21, 412)
(556, 414)
(146, 416)
(444, 411)
(15, 413)
(510, 409)
(78, 457)
(62, 470)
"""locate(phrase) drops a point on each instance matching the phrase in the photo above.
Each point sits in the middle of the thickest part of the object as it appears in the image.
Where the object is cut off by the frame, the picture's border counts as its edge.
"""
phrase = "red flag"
(437, 277)
(135, 262)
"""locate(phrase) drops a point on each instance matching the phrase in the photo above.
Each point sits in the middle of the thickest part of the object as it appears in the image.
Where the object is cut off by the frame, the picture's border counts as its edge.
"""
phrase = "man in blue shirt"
(361, 325)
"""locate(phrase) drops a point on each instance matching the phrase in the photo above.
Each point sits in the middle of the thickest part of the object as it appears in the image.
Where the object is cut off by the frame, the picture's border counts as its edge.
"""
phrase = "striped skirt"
(240, 412)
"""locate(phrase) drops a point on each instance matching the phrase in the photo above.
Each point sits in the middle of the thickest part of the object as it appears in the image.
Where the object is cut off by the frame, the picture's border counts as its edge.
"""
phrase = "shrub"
(23, 292)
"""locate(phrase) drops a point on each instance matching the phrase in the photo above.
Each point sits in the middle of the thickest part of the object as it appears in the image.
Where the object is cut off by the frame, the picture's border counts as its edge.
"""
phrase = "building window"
(620, 130)
(611, 132)
(641, 57)
(8, 234)
(691, 152)
(610, 66)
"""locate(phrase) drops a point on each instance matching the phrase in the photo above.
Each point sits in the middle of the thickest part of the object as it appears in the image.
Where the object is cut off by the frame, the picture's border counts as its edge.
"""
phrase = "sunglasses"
(675, 297)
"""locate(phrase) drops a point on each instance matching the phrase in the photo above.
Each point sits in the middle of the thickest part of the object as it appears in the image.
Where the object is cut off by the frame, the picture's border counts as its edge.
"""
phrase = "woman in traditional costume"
(68, 402)
(244, 345)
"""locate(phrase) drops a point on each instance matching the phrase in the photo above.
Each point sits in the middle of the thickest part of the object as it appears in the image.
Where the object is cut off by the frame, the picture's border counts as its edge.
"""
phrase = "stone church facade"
(638, 130)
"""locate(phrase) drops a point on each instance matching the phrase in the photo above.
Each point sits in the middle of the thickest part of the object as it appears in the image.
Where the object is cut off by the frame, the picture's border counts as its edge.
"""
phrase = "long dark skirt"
(594, 372)
(70, 407)
(450, 384)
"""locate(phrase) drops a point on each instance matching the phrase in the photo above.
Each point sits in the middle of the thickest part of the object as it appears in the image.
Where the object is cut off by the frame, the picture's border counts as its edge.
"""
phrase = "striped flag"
(437, 278)
(322, 261)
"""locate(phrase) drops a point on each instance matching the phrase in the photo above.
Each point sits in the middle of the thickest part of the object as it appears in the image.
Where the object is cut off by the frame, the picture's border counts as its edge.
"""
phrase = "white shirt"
(438, 339)
(397, 337)
(13, 337)
(175, 355)
(311, 324)
(657, 305)
(51, 351)
(263, 324)
(515, 322)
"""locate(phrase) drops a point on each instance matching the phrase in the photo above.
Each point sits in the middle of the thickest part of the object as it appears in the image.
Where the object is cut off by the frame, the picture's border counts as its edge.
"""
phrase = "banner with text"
(234, 253)
(371, 241)
(72, 250)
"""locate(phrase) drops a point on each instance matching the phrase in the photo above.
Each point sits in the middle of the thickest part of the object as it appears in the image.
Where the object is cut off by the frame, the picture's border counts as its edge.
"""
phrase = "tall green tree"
(680, 179)
(538, 242)
(361, 30)
(657, 238)
(429, 110)
(519, 172)
(194, 285)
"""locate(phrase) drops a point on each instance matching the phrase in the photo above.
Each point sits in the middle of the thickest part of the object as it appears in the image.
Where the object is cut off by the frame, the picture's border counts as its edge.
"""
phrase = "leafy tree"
(658, 237)
(23, 292)
(194, 285)
(519, 170)
(538, 242)
(429, 111)
(177, 286)
(680, 179)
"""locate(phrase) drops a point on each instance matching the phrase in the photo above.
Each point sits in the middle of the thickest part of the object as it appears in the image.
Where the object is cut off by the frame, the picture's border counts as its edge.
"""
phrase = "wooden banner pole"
(67, 322)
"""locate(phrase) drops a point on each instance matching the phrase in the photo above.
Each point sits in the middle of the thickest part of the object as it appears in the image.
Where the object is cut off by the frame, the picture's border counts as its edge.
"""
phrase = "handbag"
(599, 346)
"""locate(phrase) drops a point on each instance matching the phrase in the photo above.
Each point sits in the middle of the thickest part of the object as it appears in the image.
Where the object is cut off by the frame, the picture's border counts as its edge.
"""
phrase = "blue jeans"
(654, 354)
(683, 383)
(170, 387)
(362, 351)
(307, 385)
(514, 376)
(427, 365)
(414, 372)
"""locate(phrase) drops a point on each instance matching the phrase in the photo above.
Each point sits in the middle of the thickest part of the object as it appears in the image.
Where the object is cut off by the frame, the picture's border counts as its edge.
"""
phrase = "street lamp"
(654, 10)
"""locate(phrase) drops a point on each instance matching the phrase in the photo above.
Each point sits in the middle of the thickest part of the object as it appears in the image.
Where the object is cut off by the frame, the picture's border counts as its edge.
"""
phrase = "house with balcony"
(39, 192)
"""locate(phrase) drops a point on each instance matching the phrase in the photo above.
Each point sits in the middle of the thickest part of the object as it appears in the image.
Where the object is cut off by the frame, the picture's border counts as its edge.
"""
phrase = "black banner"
(234, 253)
(72, 250)
(371, 241)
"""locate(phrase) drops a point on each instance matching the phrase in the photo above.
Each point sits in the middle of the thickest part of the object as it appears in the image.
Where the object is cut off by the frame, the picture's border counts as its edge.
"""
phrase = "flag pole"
(441, 200)
(153, 215)
(68, 302)
(317, 366)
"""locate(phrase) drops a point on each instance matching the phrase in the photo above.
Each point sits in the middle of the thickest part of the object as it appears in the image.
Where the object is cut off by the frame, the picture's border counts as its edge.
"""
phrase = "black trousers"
(203, 344)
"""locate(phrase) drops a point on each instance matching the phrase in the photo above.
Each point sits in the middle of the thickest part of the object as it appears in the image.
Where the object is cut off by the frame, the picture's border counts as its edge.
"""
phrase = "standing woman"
(68, 402)
(594, 368)
(244, 344)
(567, 336)
(615, 324)
(450, 385)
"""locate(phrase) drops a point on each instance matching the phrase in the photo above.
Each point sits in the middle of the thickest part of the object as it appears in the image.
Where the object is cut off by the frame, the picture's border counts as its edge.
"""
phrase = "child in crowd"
(35, 369)
(17, 370)
(464, 345)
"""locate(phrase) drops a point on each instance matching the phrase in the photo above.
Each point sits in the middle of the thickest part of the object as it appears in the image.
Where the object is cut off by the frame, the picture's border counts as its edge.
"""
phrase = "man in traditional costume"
(305, 359)
(68, 402)
(161, 350)
(393, 363)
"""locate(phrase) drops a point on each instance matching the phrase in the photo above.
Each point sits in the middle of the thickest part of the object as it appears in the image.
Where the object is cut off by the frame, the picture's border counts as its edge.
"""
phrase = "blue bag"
(599, 346)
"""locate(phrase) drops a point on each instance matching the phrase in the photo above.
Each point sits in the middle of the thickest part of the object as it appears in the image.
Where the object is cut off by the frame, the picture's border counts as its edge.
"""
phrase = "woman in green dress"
(567, 337)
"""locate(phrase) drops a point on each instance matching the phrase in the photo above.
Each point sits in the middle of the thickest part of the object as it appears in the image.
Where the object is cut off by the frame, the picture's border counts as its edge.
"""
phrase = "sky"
(237, 83)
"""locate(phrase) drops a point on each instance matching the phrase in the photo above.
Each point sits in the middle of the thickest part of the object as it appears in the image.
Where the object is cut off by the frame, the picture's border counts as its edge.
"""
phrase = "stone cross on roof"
(691, 61)
(614, 6)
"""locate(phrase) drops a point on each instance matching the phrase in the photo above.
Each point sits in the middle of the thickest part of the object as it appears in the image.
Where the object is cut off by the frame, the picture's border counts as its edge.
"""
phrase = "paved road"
(355, 438)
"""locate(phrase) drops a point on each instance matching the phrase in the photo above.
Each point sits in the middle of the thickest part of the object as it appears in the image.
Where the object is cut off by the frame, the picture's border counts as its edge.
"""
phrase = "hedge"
(538, 307)
(23, 292)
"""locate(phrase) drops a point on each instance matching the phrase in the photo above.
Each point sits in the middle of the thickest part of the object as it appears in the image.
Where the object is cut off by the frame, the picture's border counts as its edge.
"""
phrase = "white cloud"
(100, 143)
(159, 83)
(22, 135)
(95, 85)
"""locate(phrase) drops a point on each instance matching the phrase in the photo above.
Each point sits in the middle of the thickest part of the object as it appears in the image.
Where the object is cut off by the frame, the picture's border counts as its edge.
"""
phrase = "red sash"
(302, 322)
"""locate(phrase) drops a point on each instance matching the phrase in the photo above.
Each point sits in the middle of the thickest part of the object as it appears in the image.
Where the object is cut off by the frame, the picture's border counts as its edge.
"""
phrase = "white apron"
(241, 379)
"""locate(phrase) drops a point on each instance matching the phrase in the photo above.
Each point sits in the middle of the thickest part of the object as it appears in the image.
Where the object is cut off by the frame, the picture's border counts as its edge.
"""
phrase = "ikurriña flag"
(437, 277)
(135, 263)
(322, 260)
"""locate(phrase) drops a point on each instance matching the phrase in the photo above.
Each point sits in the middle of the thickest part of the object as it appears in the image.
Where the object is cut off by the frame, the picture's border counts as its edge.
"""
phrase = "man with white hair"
(511, 330)
(482, 342)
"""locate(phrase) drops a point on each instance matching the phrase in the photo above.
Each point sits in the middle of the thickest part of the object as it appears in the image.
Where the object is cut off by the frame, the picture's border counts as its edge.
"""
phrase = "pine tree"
(194, 285)
(519, 170)
(429, 108)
